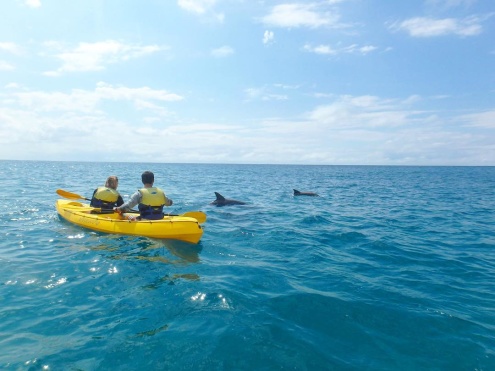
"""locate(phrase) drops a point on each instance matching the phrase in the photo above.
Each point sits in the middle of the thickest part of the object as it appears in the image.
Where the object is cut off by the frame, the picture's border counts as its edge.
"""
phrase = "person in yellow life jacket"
(150, 199)
(107, 197)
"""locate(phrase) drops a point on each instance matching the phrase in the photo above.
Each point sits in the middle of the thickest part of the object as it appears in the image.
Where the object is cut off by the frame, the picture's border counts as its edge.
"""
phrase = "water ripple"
(392, 268)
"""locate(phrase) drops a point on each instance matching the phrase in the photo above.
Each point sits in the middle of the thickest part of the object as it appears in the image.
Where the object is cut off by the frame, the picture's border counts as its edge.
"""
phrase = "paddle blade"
(70, 195)
(198, 215)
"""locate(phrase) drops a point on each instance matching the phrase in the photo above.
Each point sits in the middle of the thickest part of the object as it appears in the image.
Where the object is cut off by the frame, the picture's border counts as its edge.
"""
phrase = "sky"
(330, 82)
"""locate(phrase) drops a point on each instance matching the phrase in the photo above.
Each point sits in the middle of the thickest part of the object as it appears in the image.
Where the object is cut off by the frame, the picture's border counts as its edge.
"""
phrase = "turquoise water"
(392, 268)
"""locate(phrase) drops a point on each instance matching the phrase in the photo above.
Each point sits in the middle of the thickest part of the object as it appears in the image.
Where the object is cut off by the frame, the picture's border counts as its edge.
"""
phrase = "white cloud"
(367, 49)
(286, 86)
(96, 56)
(387, 131)
(197, 6)
(223, 51)
(429, 27)
(4, 66)
(264, 93)
(79, 100)
(268, 37)
(328, 50)
(41, 101)
(202, 7)
(71, 119)
(11, 48)
(347, 130)
(446, 4)
(12, 85)
(300, 15)
(359, 112)
(108, 91)
(412, 99)
(33, 3)
(384, 130)
(320, 49)
(481, 119)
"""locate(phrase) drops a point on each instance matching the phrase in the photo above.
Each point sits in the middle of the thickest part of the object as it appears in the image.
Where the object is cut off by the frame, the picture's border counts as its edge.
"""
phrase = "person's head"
(147, 177)
(112, 182)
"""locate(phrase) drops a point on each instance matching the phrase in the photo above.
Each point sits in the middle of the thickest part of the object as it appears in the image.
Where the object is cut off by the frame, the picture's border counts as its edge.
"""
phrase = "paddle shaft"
(71, 196)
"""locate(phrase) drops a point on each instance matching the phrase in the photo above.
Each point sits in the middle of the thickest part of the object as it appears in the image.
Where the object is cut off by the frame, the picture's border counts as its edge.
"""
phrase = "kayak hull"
(170, 227)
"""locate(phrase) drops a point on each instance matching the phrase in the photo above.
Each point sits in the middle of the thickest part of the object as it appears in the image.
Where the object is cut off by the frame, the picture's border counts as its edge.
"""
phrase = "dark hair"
(147, 177)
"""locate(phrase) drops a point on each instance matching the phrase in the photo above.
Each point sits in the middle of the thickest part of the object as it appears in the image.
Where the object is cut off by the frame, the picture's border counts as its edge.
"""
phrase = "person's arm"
(133, 201)
(168, 201)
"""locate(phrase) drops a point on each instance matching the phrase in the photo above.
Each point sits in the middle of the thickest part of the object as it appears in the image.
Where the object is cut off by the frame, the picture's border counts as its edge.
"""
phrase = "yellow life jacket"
(106, 194)
(105, 197)
(152, 202)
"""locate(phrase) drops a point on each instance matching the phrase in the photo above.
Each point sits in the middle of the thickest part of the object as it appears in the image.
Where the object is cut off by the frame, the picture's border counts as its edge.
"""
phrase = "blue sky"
(368, 82)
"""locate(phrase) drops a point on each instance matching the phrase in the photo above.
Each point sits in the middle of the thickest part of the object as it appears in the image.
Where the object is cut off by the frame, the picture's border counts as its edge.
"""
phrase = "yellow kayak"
(175, 227)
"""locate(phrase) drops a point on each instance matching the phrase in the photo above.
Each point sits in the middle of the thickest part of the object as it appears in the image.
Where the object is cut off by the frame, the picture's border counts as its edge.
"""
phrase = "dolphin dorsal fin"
(296, 191)
(219, 196)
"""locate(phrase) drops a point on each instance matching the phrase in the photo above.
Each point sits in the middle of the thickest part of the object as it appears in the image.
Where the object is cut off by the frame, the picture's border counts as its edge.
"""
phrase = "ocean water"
(392, 268)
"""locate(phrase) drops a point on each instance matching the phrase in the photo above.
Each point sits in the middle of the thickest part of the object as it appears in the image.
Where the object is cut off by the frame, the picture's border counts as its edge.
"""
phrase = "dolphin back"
(298, 193)
(222, 201)
(219, 197)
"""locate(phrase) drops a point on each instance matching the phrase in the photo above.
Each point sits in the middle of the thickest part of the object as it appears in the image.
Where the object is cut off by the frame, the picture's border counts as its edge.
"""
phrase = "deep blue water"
(391, 268)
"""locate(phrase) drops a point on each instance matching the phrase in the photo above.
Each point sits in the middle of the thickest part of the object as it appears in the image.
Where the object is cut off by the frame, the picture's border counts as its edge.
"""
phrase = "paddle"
(198, 215)
(71, 196)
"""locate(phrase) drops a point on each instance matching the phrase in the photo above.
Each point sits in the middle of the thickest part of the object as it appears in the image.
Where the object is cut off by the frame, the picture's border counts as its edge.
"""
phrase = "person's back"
(150, 200)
